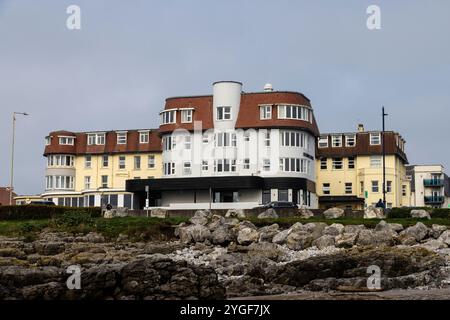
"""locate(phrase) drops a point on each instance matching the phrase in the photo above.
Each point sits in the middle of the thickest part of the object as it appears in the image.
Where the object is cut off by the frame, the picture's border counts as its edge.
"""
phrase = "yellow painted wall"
(116, 176)
(363, 172)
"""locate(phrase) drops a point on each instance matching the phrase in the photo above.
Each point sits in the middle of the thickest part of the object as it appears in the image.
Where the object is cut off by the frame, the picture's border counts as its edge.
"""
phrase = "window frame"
(353, 139)
(144, 134)
(265, 112)
(223, 114)
(122, 137)
(336, 138)
(186, 115)
(334, 162)
(319, 142)
(373, 135)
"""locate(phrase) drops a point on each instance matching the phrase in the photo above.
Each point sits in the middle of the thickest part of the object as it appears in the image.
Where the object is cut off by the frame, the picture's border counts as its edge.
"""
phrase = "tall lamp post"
(383, 115)
(11, 181)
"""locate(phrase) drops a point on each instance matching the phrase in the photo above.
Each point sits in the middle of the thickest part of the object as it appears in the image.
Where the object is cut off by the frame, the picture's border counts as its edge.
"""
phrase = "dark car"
(42, 203)
(280, 205)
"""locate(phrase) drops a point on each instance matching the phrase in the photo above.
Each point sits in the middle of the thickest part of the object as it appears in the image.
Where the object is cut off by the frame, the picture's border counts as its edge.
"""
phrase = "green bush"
(440, 213)
(27, 212)
(72, 219)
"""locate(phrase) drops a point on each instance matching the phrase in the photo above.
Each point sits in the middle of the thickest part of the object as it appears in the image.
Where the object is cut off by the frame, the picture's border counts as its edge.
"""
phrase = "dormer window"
(265, 112)
(144, 137)
(375, 139)
(186, 116)
(121, 138)
(323, 142)
(96, 138)
(223, 113)
(48, 140)
(66, 141)
(336, 141)
(168, 117)
(350, 140)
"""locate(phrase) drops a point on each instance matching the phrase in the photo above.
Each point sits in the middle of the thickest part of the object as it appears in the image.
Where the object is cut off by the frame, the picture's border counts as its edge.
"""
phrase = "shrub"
(27, 212)
(399, 213)
(73, 219)
(440, 213)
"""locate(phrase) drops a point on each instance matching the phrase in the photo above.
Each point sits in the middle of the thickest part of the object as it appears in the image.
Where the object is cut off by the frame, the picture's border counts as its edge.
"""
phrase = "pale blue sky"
(130, 55)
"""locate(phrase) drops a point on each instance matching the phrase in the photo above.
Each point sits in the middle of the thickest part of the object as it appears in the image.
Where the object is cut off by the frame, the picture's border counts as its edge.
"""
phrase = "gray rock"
(49, 248)
(346, 240)
(384, 226)
(334, 230)
(267, 250)
(324, 241)
(445, 237)
(420, 214)
(194, 233)
(268, 232)
(215, 222)
(201, 217)
(372, 212)
(305, 213)
(235, 213)
(437, 230)
(376, 238)
(159, 213)
(247, 236)
(433, 244)
(223, 235)
(280, 238)
(419, 231)
(333, 213)
(268, 214)
(299, 240)
(354, 228)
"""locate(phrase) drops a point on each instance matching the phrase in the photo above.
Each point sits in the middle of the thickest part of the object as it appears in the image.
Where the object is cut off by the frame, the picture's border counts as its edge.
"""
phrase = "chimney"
(360, 127)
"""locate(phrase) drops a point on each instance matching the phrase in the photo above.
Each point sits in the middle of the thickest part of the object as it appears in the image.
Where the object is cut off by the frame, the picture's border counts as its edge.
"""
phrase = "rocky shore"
(215, 257)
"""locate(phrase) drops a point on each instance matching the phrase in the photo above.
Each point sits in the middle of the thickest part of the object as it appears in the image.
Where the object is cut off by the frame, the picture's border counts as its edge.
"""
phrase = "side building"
(350, 169)
(234, 149)
(90, 168)
(430, 186)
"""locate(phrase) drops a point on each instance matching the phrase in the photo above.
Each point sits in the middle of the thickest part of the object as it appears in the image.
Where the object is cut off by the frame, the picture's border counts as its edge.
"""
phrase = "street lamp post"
(384, 158)
(11, 181)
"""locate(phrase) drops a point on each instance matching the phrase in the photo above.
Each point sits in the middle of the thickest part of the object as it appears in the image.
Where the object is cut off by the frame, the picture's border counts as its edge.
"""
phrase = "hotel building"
(90, 168)
(234, 149)
(350, 174)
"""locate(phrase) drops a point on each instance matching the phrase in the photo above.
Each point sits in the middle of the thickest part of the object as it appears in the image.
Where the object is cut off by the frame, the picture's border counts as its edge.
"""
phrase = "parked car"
(42, 203)
(280, 205)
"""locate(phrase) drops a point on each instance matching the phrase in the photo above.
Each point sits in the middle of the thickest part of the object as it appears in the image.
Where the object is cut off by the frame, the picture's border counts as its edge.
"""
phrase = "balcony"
(433, 182)
(434, 199)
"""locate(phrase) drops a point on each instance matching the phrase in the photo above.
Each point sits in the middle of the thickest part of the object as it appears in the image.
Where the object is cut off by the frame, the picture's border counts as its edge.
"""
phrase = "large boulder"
(268, 214)
(280, 237)
(346, 240)
(334, 230)
(299, 240)
(324, 241)
(376, 238)
(49, 248)
(247, 235)
(437, 230)
(159, 213)
(194, 233)
(305, 213)
(235, 213)
(445, 237)
(372, 212)
(223, 235)
(419, 231)
(215, 222)
(268, 232)
(333, 213)
(201, 217)
(420, 214)
(384, 226)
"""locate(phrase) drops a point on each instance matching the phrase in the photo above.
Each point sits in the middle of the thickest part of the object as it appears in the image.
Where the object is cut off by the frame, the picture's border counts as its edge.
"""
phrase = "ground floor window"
(266, 196)
(226, 196)
(283, 195)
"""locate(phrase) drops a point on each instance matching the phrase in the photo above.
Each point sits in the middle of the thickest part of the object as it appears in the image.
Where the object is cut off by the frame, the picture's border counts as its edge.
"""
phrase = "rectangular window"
(294, 165)
(100, 139)
(88, 161)
(336, 141)
(246, 136)
(137, 162)
(404, 190)
(292, 139)
(350, 140)
(104, 181)
(122, 162)
(337, 164)
(168, 117)
(388, 186)
(66, 141)
(87, 182)
(326, 188)
(225, 165)
(225, 139)
(348, 188)
(205, 138)
(361, 187)
(223, 113)
(168, 143)
(151, 161)
(204, 165)
(144, 137)
(187, 168)
(247, 163)
(266, 164)
(375, 188)
(293, 112)
(375, 161)
(187, 142)
(91, 139)
(375, 138)
(265, 112)
(105, 161)
(48, 140)
(169, 168)
(323, 142)
(323, 164)
(351, 162)
(121, 138)
(267, 138)
(186, 116)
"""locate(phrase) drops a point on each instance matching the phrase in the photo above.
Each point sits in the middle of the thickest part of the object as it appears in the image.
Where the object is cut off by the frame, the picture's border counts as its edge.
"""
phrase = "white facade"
(430, 186)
